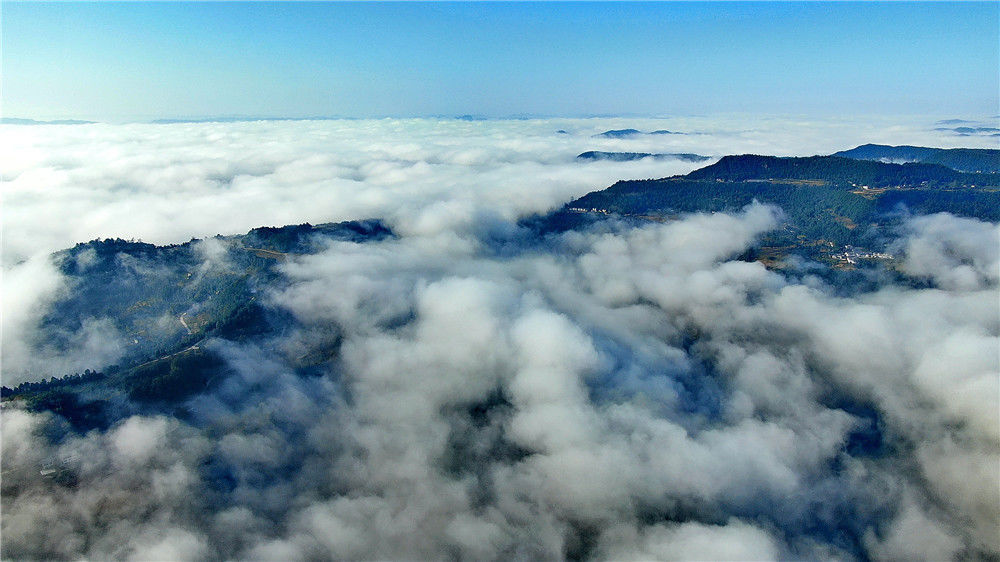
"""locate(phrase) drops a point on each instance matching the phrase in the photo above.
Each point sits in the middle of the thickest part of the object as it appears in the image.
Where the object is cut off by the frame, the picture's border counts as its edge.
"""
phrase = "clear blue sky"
(122, 61)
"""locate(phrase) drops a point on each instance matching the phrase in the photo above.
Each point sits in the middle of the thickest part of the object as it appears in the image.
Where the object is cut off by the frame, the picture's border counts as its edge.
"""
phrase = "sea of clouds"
(169, 183)
(617, 393)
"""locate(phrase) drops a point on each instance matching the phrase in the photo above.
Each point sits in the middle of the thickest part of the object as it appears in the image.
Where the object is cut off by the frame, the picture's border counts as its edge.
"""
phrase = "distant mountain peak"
(629, 156)
(626, 133)
(960, 159)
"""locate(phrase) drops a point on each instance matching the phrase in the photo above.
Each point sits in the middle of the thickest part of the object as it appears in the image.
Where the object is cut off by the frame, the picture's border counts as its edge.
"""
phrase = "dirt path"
(185, 350)
(270, 254)
(185, 324)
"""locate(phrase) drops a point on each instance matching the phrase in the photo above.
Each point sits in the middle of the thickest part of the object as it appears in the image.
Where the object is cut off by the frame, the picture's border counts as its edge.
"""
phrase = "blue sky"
(124, 61)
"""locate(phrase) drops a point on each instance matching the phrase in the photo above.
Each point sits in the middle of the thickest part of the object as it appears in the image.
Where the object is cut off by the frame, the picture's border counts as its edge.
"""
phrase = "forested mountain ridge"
(628, 156)
(960, 159)
(162, 304)
(840, 172)
(829, 202)
(627, 133)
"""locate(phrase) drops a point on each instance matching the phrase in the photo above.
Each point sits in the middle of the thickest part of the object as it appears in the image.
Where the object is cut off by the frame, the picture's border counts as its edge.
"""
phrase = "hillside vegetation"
(829, 202)
(164, 303)
(961, 159)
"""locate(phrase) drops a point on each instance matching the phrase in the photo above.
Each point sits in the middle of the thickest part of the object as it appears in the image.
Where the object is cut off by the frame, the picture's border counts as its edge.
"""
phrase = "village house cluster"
(852, 254)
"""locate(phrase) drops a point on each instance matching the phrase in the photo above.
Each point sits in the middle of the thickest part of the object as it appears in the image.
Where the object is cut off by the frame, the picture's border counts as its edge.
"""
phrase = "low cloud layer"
(169, 183)
(626, 395)
(623, 393)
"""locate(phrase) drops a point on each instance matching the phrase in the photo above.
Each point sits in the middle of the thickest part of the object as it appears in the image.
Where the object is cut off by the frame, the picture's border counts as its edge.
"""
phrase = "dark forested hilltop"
(839, 171)
(629, 156)
(961, 159)
(162, 304)
(627, 133)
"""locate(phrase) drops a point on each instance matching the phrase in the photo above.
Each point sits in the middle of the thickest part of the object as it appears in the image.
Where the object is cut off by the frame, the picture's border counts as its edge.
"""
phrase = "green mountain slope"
(828, 202)
(840, 172)
(163, 303)
(960, 159)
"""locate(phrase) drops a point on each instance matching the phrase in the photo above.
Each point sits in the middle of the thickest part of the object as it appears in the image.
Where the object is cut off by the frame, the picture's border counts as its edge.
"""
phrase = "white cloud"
(632, 394)
(169, 183)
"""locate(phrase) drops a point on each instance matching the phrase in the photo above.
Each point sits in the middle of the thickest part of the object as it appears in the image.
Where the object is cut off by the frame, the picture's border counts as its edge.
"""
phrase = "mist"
(619, 392)
(168, 183)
